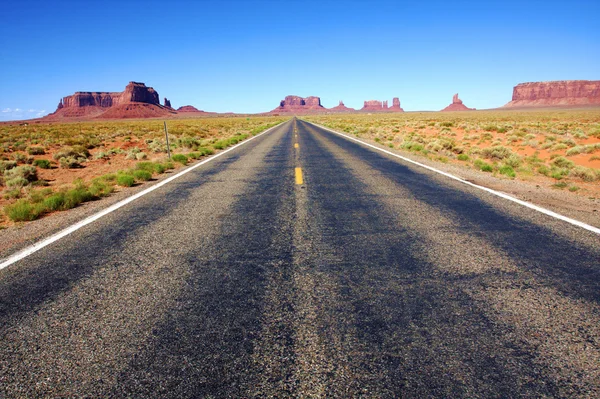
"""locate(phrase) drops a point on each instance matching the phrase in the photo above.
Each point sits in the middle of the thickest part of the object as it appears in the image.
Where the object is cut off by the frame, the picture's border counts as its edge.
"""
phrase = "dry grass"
(527, 145)
(65, 155)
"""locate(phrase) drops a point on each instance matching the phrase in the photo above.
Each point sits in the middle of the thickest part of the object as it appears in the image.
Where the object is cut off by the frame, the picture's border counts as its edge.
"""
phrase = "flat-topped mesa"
(299, 104)
(134, 92)
(556, 93)
(136, 101)
(382, 106)
(457, 105)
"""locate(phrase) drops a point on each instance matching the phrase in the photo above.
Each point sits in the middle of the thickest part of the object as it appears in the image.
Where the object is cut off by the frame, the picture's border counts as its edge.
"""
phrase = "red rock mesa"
(136, 101)
(556, 93)
(382, 106)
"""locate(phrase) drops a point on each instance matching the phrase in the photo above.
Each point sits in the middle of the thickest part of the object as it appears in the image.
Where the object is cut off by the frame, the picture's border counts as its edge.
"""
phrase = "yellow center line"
(299, 176)
(296, 145)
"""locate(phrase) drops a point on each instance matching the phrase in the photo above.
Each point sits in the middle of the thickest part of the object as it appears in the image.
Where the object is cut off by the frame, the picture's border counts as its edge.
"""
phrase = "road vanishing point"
(304, 264)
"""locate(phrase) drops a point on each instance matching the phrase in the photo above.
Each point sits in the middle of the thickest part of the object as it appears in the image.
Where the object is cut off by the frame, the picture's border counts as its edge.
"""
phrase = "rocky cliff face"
(556, 93)
(134, 92)
(382, 106)
(120, 104)
(299, 104)
(167, 103)
(396, 105)
(457, 105)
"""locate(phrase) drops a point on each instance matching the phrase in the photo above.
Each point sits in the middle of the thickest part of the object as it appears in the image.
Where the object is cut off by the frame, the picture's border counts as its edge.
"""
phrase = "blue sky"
(245, 56)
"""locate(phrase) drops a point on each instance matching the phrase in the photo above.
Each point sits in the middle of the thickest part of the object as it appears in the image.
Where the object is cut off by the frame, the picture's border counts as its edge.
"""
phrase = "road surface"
(302, 264)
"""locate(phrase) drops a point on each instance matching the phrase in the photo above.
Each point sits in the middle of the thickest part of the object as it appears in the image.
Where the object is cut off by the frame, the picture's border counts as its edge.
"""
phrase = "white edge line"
(489, 190)
(90, 219)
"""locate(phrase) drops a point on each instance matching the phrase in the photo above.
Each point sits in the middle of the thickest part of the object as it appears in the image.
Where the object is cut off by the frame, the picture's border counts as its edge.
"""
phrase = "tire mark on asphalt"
(223, 339)
(564, 333)
(76, 343)
(415, 334)
(573, 263)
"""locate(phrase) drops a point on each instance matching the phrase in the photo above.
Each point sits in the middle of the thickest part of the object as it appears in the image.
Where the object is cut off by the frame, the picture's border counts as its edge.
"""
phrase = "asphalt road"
(371, 278)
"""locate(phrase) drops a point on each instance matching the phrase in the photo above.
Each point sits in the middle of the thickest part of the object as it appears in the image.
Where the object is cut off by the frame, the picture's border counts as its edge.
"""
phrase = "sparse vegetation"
(516, 144)
(134, 151)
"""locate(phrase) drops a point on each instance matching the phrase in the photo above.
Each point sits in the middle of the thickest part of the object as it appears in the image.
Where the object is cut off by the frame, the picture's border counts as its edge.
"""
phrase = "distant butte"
(457, 105)
(308, 105)
(188, 108)
(296, 104)
(382, 106)
(136, 101)
(560, 93)
(341, 108)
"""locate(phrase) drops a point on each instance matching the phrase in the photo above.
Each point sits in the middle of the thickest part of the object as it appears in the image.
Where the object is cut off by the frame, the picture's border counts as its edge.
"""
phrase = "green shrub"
(507, 171)
(18, 157)
(544, 170)
(16, 182)
(5, 165)
(125, 180)
(70, 162)
(560, 185)
(100, 188)
(54, 202)
(483, 166)
(26, 172)
(36, 151)
(141, 155)
(497, 152)
(37, 196)
(585, 174)
(463, 157)
(574, 151)
(573, 189)
(12, 194)
(75, 197)
(22, 211)
(558, 173)
(182, 159)
(141, 175)
(152, 167)
(76, 151)
(562, 162)
(42, 163)
(205, 151)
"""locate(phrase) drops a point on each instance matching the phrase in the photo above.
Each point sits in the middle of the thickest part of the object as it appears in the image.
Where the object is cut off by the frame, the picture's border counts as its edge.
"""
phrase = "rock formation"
(341, 108)
(137, 100)
(396, 105)
(299, 104)
(168, 103)
(188, 108)
(457, 105)
(556, 93)
(382, 106)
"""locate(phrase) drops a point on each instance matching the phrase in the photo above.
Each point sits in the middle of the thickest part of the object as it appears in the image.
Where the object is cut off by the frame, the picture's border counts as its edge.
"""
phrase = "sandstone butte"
(558, 93)
(457, 105)
(136, 101)
(296, 104)
(341, 108)
(382, 106)
(188, 108)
